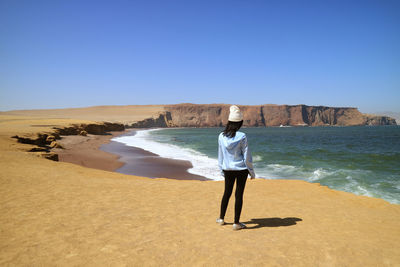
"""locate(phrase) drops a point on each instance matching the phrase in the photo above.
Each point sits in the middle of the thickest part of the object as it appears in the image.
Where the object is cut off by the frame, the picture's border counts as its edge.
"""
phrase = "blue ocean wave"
(360, 160)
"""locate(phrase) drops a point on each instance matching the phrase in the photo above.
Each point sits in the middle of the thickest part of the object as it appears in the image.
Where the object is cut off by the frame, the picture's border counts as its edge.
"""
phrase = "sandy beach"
(85, 151)
(100, 152)
(63, 214)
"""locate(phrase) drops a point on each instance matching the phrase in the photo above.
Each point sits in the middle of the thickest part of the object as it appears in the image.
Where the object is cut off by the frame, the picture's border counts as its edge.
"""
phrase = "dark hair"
(232, 127)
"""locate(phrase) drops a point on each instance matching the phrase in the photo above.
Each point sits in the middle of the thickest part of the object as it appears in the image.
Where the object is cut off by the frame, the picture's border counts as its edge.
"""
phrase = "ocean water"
(362, 160)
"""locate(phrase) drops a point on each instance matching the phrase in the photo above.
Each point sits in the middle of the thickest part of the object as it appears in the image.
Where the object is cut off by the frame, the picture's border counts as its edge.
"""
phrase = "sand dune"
(55, 213)
(123, 114)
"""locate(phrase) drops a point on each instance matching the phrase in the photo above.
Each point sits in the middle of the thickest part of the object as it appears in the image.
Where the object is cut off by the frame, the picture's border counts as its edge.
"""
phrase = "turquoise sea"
(363, 160)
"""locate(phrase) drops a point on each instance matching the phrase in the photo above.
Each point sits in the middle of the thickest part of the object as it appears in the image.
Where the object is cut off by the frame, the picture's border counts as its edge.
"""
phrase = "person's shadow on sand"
(271, 222)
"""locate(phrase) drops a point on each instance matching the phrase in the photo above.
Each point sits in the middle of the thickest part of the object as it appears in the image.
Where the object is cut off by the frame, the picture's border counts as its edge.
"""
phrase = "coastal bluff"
(212, 115)
(215, 115)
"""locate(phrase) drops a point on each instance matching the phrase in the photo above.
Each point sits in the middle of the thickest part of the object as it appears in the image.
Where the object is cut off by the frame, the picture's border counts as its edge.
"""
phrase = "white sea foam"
(202, 164)
(278, 171)
(329, 177)
(282, 171)
(318, 174)
(257, 158)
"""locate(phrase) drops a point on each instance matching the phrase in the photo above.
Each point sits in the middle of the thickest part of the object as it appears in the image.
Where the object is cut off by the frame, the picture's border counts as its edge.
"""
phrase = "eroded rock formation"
(46, 141)
(93, 128)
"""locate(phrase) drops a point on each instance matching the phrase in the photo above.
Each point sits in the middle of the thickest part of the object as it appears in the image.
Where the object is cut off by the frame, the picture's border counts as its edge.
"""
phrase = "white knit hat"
(235, 114)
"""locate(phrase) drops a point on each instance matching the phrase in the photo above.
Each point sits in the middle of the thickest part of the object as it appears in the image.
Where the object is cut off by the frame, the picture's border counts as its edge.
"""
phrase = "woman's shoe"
(220, 221)
(238, 226)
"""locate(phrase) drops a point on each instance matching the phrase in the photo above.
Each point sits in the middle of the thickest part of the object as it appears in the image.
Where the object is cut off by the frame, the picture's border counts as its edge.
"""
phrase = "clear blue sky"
(56, 54)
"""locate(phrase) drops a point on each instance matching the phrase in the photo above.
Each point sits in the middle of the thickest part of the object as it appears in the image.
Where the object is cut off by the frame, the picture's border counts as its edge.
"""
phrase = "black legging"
(230, 176)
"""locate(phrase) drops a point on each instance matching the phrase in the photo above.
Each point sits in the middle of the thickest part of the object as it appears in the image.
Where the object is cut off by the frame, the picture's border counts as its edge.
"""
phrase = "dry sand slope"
(55, 214)
(122, 114)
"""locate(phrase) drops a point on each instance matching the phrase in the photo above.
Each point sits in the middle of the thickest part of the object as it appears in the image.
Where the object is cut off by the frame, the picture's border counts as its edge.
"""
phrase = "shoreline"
(100, 152)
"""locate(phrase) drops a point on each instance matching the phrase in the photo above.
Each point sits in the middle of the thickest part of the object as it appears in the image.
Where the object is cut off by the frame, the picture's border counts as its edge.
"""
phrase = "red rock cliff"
(214, 115)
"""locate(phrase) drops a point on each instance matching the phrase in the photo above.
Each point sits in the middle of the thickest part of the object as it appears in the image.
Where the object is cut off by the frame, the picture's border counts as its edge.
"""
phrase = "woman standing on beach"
(235, 163)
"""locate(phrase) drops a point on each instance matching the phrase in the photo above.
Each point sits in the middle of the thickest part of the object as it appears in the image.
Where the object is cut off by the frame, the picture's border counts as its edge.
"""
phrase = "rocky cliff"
(215, 115)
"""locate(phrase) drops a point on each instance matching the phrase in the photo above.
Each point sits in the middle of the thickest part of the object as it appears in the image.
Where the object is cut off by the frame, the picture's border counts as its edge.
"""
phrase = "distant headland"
(214, 115)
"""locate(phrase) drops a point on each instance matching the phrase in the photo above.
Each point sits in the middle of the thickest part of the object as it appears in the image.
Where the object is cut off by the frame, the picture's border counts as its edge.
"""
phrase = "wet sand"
(84, 151)
(140, 162)
(98, 152)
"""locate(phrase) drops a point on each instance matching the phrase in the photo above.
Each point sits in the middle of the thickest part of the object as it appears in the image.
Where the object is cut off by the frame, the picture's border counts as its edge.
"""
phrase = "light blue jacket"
(234, 153)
